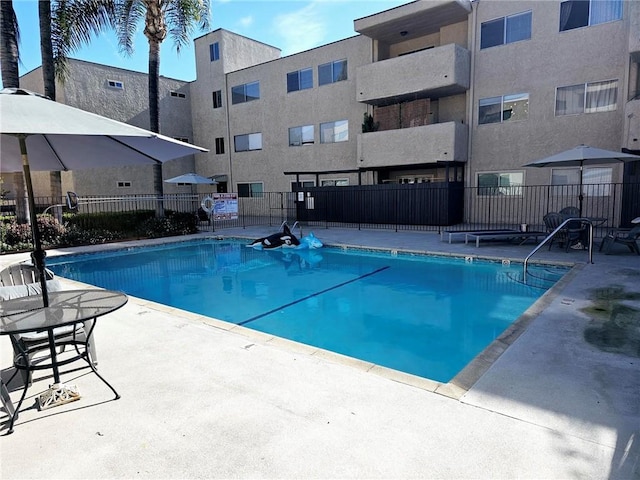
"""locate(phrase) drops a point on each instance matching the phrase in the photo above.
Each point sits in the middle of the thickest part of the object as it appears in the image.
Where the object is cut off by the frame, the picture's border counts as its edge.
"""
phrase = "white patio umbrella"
(40, 134)
(192, 178)
(580, 156)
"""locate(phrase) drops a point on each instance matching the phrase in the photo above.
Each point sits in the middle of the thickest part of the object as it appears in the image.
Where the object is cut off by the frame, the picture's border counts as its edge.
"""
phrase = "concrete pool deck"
(201, 399)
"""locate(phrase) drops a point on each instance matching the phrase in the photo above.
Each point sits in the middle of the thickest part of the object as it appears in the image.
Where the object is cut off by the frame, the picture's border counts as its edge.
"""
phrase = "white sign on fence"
(225, 206)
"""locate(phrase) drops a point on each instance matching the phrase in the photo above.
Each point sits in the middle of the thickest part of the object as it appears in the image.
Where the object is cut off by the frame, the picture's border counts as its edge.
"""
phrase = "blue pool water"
(424, 315)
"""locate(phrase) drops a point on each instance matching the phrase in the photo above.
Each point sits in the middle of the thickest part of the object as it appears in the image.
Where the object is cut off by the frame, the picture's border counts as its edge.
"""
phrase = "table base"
(58, 394)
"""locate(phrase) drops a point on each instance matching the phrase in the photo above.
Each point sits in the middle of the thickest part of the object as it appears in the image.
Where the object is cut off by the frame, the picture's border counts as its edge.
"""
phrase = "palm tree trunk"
(9, 45)
(154, 117)
(9, 55)
(48, 75)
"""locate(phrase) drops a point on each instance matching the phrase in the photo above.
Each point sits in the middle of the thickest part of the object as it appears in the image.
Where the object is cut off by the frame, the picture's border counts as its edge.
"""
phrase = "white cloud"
(246, 21)
(301, 30)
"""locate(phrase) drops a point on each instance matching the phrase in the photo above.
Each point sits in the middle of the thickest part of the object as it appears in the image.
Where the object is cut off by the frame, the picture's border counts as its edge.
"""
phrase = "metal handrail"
(296, 224)
(553, 234)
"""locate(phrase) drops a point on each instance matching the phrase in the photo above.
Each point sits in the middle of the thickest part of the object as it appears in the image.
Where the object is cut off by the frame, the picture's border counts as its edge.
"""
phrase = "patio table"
(66, 307)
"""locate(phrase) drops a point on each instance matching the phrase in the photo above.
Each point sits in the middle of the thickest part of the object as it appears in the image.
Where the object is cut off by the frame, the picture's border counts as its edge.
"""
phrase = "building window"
(118, 85)
(583, 13)
(124, 184)
(505, 30)
(254, 190)
(217, 99)
(332, 72)
(301, 136)
(219, 145)
(587, 98)
(178, 94)
(303, 184)
(333, 132)
(251, 141)
(503, 109)
(245, 93)
(340, 182)
(596, 181)
(214, 51)
(500, 184)
(300, 80)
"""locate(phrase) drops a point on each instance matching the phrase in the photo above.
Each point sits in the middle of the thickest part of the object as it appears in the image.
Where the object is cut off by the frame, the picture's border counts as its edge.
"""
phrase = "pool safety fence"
(446, 206)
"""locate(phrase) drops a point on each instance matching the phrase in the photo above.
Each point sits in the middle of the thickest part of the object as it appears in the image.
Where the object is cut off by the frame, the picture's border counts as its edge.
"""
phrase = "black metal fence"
(425, 207)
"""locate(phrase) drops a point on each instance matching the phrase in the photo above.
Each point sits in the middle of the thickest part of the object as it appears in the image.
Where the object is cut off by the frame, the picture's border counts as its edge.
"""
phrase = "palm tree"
(161, 17)
(63, 29)
(9, 38)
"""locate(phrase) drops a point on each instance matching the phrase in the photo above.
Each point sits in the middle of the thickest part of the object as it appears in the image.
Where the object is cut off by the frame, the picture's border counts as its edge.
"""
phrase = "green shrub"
(124, 222)
(174, 223)
(77, 236)
(95, 228)
(16, 236)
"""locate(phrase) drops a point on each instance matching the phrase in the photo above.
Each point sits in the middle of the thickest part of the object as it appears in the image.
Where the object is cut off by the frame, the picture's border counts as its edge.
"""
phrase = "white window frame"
(505, 29)
(590, 20)
(254, 142)
(566, 180)
(115, 84)
(245, 97)
(214, 51)
(339, 135)
(302, 136)
(252, 194)
(505, 100)
(500, 190)
(586, 96)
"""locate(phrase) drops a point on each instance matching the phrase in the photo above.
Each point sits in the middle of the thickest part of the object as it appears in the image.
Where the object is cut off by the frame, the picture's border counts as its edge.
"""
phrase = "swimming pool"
(424, 315)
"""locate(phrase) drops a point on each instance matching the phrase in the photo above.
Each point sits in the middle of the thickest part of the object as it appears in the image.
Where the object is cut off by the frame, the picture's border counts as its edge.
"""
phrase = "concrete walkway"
(203, 399)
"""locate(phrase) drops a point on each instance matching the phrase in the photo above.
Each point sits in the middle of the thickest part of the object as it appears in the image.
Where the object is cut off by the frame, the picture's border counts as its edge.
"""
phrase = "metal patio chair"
(626, 237)
(22, 279)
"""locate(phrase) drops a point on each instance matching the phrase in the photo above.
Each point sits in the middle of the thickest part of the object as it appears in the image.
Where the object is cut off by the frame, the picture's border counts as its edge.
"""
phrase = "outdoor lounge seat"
(626, 237)
(570, 212)
(21, 280)
(572, 234)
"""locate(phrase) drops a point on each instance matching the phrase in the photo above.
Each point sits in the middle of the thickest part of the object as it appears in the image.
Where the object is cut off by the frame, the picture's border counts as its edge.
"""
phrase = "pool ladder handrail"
(553, 234)
(295, 224)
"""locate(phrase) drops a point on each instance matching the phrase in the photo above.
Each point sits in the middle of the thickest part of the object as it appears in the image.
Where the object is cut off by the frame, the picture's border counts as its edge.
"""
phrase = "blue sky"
(292, 26)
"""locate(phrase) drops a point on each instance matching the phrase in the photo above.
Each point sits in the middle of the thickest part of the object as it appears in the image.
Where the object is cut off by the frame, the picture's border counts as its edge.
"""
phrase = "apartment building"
(457, 90)
(122, 95)
(430, 91)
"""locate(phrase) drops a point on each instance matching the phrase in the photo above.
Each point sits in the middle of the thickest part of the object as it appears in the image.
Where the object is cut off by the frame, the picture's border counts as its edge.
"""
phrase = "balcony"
(433, 73)
(412, 20)
(440, 142)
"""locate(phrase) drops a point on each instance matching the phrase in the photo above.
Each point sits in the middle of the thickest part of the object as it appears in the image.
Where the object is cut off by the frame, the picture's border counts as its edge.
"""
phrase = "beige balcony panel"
(432, 73)
(411, 146)
(414, 19)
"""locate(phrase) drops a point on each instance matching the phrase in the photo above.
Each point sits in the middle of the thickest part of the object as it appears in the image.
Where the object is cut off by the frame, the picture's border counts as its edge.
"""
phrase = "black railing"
(424, 207)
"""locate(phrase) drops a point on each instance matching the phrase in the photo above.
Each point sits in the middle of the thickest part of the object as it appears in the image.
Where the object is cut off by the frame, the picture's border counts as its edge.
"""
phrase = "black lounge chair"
(623, 236)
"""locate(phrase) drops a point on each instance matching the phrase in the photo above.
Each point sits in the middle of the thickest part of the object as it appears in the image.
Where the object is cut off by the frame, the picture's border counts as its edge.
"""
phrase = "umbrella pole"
(580, 195)
(38, 253)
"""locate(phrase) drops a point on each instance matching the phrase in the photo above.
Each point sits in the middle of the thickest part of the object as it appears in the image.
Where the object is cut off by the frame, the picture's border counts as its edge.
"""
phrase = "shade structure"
(40, 134)
(580, 156)
(583, 155)
(192, 179)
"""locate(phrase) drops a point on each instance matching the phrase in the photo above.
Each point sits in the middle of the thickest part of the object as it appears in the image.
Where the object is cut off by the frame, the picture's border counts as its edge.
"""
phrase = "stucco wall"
(537, 66)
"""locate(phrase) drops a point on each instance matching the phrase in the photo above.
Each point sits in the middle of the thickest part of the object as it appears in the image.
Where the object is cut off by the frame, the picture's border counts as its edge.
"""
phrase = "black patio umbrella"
(580, 156)
(40, 134)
